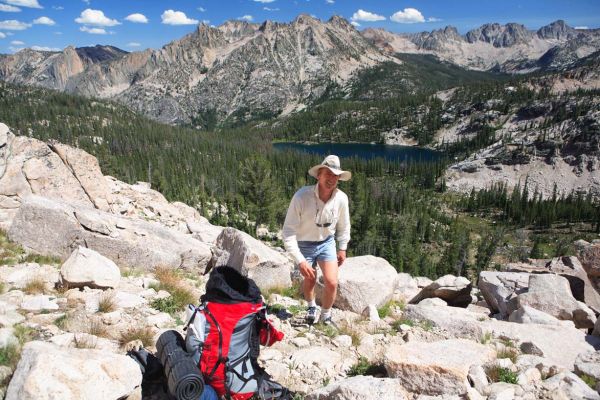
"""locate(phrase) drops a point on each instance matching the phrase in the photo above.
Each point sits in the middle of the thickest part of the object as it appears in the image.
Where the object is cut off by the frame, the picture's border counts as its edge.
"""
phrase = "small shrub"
(24, 333)
(144, 335)
(9, 355)
(127, 272)
(62, 322)
(589, 380)
(294, 310)
(364, 367)
(348, 329)
(500, 374)
(486, 338)
(171, 282)
(402, 321)
(388, 308)
(40, 259)
(35, 285)
(509, 353)
(426, 325)
(107, 302)
(293, 291)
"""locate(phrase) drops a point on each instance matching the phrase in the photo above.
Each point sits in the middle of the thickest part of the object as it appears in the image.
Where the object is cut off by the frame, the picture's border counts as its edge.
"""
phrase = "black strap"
(221, 359)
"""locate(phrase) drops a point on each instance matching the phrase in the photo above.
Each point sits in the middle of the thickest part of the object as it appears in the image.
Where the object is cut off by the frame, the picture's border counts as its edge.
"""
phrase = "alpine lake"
(364, 151)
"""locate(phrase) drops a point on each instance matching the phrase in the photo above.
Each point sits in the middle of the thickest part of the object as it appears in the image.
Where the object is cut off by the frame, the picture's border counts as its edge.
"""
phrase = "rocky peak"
(306, 19)
(340, 22)
(558, 30)
(98, 53)
(500, 35)
(235, 29)
(437, 39)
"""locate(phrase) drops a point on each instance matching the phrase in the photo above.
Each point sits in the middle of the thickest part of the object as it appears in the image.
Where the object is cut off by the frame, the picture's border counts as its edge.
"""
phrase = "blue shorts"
(318, 251)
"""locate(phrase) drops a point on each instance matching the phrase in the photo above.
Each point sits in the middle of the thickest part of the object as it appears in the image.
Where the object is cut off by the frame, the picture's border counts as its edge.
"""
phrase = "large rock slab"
(499, 289)
(461, 323)
(454, 290)
(363, 281)
(552, 294)
(85, 267)
(359, 388)
(436, 368)
(582, 287)
(56, 228)
(589, 255)
(589, 364)
(47, 371)
(529, 315)
(252, 258)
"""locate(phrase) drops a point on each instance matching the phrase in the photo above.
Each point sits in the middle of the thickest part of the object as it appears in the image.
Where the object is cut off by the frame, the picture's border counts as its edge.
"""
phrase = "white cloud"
(44, 21)
(93, 31)
(433, 19)
(58, 33)
(330, 1)
(2, 35)
(206, 21)
(137, 18)
(246, 17)
(95, 18)
(7, 8)
(59, 8)
(408, 16)
(86, 2)
(170, 17)
(24, 3)
(44, 48)
(14, 25)
(362, 15)
(582, 27)
(201, 9)
(355, 23)
(17, 43)
(270, 9)
(133, 44)
(264, 1)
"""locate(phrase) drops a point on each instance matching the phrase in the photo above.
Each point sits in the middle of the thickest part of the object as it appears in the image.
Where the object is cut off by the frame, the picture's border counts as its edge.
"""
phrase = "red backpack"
(224, 334)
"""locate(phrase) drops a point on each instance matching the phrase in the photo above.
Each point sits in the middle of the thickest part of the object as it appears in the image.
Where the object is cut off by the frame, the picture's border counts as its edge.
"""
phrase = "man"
(316, 214)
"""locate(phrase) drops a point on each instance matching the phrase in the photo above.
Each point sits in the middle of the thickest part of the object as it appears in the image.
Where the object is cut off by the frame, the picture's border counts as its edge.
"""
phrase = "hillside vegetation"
(399, 211)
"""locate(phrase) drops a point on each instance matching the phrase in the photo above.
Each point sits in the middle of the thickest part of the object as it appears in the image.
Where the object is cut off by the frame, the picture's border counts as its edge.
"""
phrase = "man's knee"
(310, 282)
(330, 283)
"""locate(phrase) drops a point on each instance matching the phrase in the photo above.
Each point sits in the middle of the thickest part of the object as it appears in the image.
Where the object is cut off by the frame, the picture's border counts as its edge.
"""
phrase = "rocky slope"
(241, 68)
(548, 141)
(523, 333)
(507, 48)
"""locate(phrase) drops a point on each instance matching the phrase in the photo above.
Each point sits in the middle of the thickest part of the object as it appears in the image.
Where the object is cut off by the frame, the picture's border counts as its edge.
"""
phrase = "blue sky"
(139, 24)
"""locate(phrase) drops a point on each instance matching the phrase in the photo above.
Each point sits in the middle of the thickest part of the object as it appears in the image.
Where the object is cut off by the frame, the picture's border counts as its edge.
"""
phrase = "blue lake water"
(364, 150)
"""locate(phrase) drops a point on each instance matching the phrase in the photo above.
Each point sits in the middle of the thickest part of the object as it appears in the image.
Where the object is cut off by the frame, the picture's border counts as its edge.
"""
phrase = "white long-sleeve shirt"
(306, 210)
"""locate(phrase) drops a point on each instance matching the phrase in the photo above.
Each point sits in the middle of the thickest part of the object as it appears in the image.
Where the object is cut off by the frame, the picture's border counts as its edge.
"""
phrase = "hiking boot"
(327, 320)
(311, 315)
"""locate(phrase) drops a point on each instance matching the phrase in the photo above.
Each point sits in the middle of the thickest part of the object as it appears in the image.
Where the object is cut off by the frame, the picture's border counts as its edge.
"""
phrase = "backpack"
(224, 333)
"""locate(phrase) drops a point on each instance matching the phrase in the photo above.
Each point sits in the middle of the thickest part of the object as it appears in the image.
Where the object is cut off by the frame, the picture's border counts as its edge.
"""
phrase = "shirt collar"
(316, 191)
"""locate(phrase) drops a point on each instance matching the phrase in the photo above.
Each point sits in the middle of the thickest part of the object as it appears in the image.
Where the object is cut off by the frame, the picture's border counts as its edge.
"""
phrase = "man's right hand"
(306, 271)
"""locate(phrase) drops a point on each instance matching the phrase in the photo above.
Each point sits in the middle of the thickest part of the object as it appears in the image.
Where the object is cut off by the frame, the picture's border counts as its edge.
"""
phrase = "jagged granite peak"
(503, 48)
(99, 53)
(437, 39)
(235, 29)
(235, 70)
(558, 30)
(500, 35)
(341, 22)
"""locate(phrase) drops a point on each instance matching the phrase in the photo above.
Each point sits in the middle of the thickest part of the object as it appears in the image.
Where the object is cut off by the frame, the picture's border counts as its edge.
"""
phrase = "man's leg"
(330, 278)
(308, 287)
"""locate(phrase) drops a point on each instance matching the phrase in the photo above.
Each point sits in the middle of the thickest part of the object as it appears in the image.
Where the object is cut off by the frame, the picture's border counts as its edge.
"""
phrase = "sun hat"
(333, 164)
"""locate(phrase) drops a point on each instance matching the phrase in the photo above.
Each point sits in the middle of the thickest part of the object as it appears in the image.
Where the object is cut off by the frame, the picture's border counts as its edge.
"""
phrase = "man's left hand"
(341, 257)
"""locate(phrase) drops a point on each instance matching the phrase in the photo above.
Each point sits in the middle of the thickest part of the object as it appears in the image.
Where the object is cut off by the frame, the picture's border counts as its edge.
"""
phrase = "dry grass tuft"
(107, 302)
(144, 335)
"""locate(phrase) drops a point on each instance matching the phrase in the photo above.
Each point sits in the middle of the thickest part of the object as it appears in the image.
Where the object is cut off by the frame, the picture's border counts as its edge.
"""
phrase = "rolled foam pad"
(184, 378)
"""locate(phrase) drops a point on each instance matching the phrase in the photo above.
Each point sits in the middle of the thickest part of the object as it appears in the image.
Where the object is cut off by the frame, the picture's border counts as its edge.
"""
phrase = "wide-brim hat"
(333, 164)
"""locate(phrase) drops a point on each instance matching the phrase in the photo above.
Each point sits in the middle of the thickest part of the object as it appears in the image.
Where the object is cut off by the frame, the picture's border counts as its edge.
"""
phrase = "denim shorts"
(318, 251)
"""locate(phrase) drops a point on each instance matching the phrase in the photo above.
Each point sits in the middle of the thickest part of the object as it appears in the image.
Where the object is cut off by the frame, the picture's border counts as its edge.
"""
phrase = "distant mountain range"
(242, 70)
(505, 48)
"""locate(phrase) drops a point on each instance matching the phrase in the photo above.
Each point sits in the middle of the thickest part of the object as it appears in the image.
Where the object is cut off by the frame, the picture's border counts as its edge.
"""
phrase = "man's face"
(327, 179)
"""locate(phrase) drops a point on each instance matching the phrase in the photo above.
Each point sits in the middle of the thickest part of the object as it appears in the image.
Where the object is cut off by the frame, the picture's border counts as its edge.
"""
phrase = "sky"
(134, 25)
